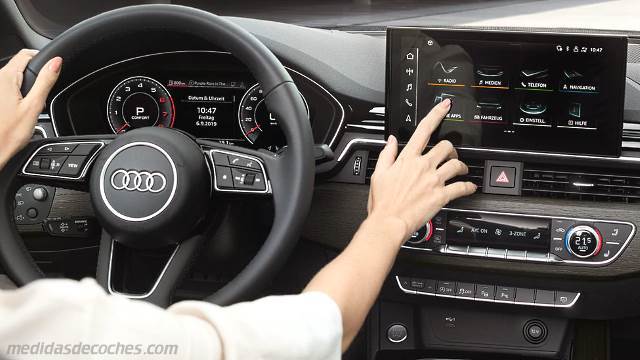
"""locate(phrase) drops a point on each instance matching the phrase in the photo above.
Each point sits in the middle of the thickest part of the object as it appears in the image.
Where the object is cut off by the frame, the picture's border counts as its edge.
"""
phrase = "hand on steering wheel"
(20, 114)
(154, 188)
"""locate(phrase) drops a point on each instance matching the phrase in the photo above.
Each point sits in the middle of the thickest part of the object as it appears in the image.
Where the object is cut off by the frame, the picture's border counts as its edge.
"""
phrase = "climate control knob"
(422, 235)
(583, 241)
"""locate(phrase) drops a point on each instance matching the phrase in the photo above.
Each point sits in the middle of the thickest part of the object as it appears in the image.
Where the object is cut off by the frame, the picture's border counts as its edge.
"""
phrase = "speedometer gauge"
(139, 101)
(258, 125)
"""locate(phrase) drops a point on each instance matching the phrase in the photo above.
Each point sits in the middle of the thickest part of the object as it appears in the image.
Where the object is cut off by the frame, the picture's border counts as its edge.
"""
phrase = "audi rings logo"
(142, 181)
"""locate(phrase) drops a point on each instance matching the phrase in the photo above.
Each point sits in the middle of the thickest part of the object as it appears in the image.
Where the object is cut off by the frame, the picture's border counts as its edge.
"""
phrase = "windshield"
(52, 17)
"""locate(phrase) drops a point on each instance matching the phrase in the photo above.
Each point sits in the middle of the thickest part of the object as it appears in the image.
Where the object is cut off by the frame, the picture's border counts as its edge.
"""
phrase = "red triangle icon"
(502, 178)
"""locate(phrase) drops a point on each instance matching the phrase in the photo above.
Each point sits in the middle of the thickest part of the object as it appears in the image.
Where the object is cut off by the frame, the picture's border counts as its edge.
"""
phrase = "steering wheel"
(152, 188)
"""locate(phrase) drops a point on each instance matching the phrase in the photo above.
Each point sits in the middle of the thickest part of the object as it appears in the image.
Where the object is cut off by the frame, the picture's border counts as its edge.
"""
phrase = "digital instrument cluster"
(509, 90)
(230, 110)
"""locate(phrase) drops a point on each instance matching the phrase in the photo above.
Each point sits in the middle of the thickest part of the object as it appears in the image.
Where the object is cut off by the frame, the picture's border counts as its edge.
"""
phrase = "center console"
(549, 236)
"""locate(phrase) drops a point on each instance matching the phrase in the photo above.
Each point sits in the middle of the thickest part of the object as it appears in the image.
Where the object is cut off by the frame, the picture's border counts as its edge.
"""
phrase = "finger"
(459, 189)
(426, 127)
(451, 169)
(43, 84)
(388, 155)
(19, 61)
(443, 151)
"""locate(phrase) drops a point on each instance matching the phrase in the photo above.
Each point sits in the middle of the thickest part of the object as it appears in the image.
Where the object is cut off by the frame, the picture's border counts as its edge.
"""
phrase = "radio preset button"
(583, 241)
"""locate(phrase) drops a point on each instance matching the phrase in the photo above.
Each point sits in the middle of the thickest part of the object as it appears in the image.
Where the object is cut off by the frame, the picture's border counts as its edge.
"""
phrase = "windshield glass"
(611, 15)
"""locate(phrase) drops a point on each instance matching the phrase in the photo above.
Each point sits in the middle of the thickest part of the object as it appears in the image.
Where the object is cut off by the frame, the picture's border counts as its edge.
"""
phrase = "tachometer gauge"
(139, 101)
(259, 126)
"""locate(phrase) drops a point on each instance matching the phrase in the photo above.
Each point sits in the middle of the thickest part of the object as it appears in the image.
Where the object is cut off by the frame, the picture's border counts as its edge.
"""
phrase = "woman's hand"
(18, 115)
(410, 189)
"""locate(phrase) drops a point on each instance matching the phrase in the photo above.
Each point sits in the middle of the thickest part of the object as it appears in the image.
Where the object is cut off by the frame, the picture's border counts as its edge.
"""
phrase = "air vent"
(476, 169)
(371, 122)
(579, 183)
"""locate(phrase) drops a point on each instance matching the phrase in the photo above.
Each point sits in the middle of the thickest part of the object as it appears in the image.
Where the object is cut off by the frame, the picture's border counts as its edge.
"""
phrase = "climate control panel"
(523, 237)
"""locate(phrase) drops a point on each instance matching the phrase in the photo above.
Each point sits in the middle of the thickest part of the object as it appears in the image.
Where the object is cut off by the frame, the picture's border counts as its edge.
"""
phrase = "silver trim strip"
(358, 141)
(367, 127)
(552, 260)
(108, 162)
(267, 189)
(41, 130)
(153, 288)
(501, 151)
(414, 292)
(378, 110)
(82, 173)
(52, 107)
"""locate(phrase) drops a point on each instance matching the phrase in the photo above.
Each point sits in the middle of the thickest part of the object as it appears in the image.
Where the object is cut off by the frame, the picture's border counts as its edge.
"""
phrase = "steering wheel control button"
(535, 331)
(247, 180)
(583, 241)
(545, 297)
(241, 161)
(57, 149)
(506, 294)
(53, 160)
(55, 164)
(397, 333)
(73, 166)
(224, 178)
(247, 173)
(220, 159)
(84, 149)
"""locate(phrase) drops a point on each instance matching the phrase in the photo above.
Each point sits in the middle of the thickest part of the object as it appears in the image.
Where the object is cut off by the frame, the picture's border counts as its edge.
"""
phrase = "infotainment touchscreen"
(509, 90)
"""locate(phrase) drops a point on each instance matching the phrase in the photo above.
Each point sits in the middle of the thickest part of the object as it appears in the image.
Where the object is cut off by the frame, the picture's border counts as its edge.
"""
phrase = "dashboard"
(207, 94)
(551, 234)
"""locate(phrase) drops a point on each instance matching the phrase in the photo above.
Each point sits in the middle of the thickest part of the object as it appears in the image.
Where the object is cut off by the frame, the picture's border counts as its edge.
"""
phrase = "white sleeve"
(306, 326)
(65, 317)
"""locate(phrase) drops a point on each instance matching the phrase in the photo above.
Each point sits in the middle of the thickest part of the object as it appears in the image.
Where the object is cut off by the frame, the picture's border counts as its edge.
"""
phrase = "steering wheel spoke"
(150, 274)
(62, 161)
(240, 171)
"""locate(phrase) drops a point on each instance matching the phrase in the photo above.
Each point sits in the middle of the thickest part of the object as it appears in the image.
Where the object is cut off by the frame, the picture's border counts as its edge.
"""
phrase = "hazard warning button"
(503, 176)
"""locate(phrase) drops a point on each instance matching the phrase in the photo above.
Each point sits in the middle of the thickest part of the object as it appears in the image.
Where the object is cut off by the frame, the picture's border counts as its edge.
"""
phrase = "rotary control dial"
(583, 241)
